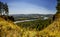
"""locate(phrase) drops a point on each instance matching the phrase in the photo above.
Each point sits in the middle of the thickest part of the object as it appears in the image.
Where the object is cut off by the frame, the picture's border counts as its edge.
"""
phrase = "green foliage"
(37, 24)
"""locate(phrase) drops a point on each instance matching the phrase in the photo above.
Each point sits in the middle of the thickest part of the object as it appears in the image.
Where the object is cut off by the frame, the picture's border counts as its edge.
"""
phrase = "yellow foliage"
(9, 29)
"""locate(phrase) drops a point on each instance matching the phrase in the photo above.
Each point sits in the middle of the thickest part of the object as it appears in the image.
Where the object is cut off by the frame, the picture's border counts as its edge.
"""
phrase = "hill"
(53, 30)
(31, 16)
(8, 29)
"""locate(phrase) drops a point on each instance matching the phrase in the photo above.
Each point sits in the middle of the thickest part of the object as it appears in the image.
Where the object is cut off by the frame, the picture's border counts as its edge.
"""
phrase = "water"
(25, 20)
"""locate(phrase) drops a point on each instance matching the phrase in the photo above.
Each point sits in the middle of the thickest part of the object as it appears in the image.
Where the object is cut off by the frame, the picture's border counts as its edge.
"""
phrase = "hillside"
(53, 30)
(8, 29)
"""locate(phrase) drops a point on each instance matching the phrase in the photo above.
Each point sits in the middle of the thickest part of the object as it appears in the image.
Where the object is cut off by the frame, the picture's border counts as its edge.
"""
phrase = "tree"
(1, 8)
(57, 15)
(6, 9)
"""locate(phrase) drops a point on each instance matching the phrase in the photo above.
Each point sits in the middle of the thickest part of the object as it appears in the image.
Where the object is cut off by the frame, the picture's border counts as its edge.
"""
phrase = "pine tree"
(0, 8)
(6, 8)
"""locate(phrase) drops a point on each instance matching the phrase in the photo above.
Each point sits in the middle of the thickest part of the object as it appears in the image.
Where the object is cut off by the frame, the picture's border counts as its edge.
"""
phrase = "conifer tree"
(6, 8)
(0, 8)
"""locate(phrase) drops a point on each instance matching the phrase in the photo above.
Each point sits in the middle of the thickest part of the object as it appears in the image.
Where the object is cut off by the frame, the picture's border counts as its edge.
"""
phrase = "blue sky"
(31, 6)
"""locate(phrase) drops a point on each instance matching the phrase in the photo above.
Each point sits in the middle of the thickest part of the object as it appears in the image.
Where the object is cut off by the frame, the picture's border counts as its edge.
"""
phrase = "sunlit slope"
(9, 29)
(53, 30)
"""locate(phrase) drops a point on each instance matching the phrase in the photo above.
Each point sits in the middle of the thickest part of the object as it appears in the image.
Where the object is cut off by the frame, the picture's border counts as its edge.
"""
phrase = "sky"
(31, 6)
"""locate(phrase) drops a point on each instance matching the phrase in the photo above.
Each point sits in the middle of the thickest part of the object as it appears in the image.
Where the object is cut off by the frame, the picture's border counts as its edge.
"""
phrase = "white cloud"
(26, 8)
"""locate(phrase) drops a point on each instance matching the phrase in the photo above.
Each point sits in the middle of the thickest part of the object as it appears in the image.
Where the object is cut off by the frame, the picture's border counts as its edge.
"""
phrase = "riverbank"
(24, 21)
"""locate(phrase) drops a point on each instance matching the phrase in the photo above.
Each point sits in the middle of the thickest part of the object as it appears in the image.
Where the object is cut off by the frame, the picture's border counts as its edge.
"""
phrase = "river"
(24, 21)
